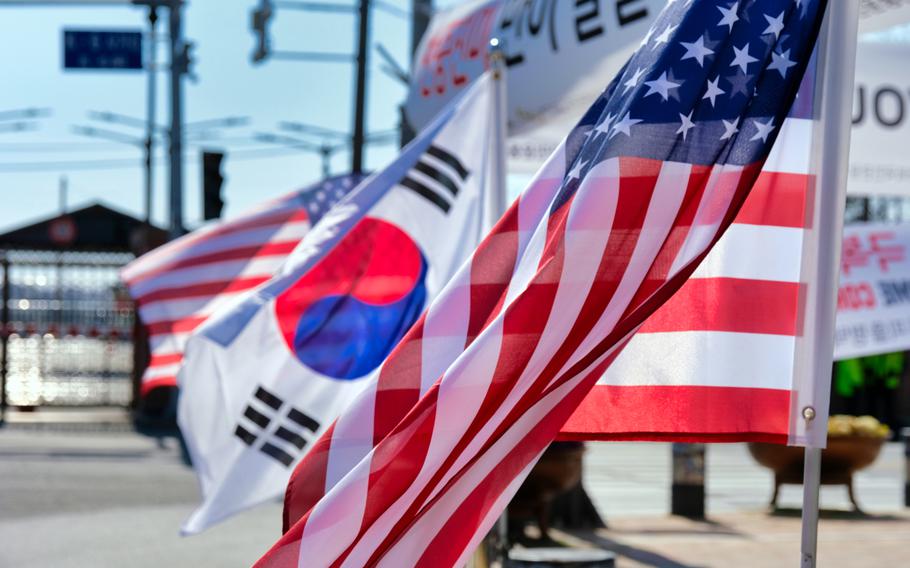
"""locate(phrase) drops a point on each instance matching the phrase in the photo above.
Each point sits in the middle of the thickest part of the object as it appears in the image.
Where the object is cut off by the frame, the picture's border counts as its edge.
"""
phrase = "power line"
(294, 147)
(111, 135)
(59, 146)
(20, 126)
(46, 167)
(124, 163)
(31, 112)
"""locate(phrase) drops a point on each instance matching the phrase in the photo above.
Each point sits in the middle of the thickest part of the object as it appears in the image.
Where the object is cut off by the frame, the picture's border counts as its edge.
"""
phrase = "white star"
(696, 50)
(764, 130)
(730, 16)
(742, 59)
(687, 124)
(713, 90)
(665, 36)
(624, 126)
(576, 171)
(781, 63)
(633, 82)
(730, 128)
(603, 127)
(661, 86)
(647, 37)
(775, 25)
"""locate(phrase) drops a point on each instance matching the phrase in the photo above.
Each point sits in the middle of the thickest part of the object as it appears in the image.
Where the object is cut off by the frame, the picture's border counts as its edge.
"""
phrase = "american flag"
(177, 286)
(420, 466)
(729, 336)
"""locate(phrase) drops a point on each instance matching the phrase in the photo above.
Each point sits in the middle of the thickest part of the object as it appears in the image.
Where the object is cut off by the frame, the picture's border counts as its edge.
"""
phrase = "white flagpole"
(832, 137)
(494, 205)
(496, 202)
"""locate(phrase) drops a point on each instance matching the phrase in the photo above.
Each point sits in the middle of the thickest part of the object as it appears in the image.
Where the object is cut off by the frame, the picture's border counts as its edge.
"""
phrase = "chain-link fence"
(67, 324)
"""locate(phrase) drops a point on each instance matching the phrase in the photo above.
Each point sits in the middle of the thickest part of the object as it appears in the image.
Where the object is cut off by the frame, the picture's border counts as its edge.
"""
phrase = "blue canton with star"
(318, 199)
(711, 83)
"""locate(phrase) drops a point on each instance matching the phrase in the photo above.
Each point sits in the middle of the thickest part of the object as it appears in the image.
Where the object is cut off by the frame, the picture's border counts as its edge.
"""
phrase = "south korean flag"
(263, 380)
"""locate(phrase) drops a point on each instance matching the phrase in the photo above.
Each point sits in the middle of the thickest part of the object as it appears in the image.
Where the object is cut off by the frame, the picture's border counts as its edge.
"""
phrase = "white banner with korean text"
(560, 55)
(873, 301)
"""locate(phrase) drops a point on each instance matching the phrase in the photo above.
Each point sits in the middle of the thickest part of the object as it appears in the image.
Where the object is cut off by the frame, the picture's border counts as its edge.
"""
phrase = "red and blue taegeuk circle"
(344, 316)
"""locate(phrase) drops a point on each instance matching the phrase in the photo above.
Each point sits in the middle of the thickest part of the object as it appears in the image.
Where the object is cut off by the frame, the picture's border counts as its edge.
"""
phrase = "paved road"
(108, 498)
(96, 499)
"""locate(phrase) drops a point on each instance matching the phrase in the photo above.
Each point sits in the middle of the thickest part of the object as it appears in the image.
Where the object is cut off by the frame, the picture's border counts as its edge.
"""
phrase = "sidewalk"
(756, 540)
(630, 485)
(633, 480)
(74, 498)
(84, 418)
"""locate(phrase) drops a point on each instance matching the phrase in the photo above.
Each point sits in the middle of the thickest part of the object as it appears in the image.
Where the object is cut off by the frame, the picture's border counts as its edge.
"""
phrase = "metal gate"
(67, 324)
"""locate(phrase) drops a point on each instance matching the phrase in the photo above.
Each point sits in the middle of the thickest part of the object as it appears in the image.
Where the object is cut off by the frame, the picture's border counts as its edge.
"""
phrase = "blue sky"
(228, 85)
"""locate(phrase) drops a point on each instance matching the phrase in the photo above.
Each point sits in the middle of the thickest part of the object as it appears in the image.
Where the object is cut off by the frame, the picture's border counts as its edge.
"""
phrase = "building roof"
(95, 227)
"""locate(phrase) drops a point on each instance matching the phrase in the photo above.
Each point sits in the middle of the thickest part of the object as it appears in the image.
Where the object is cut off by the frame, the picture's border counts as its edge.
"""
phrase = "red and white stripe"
(423, 462)
(179, 285)
(727, 339)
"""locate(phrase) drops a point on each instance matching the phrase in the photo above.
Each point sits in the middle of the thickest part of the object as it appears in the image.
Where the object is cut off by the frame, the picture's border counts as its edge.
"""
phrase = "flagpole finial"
(497, 57)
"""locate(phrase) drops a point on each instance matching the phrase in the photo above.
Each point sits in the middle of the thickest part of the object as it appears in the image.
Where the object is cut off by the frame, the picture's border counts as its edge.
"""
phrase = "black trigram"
(437, 177)
(264, 413)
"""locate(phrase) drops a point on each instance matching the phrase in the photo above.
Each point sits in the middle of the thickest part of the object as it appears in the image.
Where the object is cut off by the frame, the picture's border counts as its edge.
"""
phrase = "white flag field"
(262, 380)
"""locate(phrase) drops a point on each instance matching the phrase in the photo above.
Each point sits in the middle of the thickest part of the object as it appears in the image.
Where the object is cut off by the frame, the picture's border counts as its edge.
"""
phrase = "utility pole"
(421, 13)
(179, 56)
(421, 10)
(325, 153)
(151, 127)
(360, 111)
(64, 183)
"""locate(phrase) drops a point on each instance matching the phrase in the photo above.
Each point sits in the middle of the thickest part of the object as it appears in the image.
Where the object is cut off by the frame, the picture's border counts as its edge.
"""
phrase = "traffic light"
(186, 61)
(211, 185)
(260, 23)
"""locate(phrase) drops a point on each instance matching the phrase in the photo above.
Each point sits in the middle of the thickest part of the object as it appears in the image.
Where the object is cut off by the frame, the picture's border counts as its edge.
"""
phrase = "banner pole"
(811, 477)
(832, 143)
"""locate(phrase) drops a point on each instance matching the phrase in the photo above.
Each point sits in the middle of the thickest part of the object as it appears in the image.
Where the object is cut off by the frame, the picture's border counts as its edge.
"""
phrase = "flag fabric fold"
(264, 378)
(179, 285)
(425, 459)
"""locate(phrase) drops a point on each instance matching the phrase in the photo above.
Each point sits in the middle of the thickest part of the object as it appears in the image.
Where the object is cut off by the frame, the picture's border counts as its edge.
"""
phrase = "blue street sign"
(100, 49)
